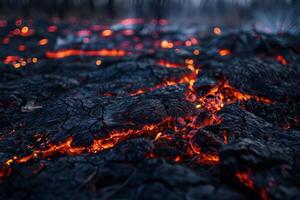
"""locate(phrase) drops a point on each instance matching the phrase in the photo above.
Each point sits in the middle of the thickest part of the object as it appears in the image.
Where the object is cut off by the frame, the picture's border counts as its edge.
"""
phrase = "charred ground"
(143, 111)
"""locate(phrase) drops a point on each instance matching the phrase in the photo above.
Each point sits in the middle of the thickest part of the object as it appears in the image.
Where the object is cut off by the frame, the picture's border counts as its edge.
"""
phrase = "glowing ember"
(224, 94)
(98, 62)
(225, 137)
(282, 60)
(188, 43)
(140, 91)
(217, 31)
(177, 159)
(169, 64)
(17, 65)
(10, 59)
(224, 52)
(196, 52)
(107, 33)
(74, 52)
(34, 60)
(25, 30)
(180, 133)
(166, 44)
(209, 159)
(66, 148)
(245, 179)
(131, 21)
(43, 42)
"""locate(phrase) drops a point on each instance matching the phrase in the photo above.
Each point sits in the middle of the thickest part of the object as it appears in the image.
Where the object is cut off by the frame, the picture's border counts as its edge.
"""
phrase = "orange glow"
(25, 30)
(190, 64)
(196, 52)
(225, 137)
(243, 97)
(209, 159)
(189, 61)
(66, 147)
(8, 162)
(34, 60)
(106, 33)
(10, 59)
(162, 136)
(74, 52)
(213, 101)
(140, 91)
(194, 41)
(177, 159)
(223, 94)
(186, 79)
(188, 43)
(16, 65)
(189, 79)
(245, 179)
(158, 136)
(18, 62)
(183, 127)
(168, 64)
(5, 171)
(217, 31)
(194, 149)
(224, 52)
(131, 21)
(166, 45)
(98, 62)
(282, 60)
(43, 42)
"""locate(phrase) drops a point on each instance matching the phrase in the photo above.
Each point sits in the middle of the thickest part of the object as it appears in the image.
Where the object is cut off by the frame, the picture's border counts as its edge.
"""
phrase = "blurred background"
(267, 15)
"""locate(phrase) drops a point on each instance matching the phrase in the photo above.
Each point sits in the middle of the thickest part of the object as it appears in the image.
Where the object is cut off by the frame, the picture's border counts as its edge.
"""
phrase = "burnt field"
(147, 110)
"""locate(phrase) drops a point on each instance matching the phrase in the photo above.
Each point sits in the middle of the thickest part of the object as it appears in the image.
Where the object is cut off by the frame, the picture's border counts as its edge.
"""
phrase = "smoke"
(268, 15)
(277, 18)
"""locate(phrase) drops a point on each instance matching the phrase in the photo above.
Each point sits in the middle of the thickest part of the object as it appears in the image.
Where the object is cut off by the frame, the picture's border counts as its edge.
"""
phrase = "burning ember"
(127, 109)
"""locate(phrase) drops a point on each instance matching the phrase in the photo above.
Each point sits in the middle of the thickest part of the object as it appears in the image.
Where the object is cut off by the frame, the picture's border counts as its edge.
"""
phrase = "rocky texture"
(45, 103)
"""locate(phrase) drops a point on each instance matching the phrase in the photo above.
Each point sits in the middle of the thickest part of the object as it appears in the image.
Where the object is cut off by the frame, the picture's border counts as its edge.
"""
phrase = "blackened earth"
(54, 99)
